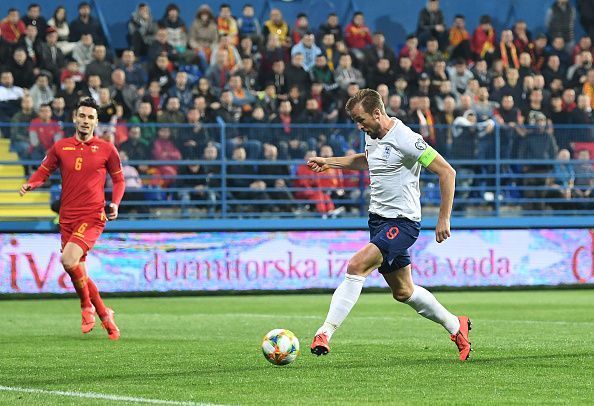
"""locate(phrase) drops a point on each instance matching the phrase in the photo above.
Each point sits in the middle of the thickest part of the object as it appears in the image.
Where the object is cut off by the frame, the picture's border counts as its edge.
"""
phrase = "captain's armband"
(427, 156)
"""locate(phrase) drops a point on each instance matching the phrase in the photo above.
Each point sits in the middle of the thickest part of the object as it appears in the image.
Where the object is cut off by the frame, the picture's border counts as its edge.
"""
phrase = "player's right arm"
(356, 161)
(48, 165)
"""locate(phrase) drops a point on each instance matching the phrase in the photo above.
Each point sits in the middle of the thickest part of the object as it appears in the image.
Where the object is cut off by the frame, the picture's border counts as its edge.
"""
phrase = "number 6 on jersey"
(78, 164)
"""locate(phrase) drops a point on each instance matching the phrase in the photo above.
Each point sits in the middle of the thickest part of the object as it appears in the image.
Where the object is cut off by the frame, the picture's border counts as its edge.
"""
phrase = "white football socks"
(427, 306)
(344, 298)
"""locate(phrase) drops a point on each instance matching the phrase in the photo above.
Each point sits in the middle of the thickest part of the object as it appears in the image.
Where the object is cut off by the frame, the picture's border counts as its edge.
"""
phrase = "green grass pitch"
(532, 347)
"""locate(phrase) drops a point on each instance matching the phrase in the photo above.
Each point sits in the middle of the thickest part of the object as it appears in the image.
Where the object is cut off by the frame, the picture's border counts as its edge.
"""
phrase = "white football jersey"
(394, 172)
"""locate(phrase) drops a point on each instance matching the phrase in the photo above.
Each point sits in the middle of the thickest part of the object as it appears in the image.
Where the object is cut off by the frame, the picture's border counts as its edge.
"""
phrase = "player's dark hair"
(369, 99)
(87, 102)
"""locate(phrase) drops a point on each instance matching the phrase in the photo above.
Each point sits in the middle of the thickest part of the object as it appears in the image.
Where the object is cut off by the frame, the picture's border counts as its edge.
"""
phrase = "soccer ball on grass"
(280, 346)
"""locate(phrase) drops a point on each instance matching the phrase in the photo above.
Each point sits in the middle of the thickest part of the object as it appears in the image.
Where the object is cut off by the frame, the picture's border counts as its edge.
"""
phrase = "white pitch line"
(102, 396)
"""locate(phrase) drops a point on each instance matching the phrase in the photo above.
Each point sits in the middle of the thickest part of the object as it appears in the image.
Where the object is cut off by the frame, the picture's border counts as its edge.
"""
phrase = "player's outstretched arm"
(356, 161)
(447, 185)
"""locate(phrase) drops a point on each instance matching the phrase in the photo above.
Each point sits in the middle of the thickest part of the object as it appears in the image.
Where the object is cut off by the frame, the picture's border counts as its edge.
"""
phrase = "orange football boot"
(461, 338)
(88, 319)
(320, 345)
(108, 323)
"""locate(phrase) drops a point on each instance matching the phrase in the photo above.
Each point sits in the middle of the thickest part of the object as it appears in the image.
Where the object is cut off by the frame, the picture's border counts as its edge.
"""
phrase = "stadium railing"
(501, 174)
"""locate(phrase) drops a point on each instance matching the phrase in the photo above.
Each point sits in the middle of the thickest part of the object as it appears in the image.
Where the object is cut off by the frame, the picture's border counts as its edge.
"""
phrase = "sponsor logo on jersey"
(386, 153)
(421, 145)
(94, 148)
(68, 149)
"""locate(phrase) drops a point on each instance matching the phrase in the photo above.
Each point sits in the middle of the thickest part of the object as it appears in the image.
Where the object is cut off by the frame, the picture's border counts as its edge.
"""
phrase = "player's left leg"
(423, 301)
(105, 314)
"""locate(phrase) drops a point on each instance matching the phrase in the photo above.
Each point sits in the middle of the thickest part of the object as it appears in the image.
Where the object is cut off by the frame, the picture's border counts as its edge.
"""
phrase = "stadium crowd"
(160, 98)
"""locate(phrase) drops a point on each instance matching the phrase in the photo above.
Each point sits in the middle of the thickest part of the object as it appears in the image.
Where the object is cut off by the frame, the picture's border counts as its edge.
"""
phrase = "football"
(280, 346)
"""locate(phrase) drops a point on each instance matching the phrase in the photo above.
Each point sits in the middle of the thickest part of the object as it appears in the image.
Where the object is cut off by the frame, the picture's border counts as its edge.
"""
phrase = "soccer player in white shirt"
(393, 155)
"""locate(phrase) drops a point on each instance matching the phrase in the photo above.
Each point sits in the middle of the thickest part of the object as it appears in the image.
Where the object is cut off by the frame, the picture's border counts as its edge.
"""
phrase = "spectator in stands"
(10, 96)
(205, 90)
(378, 50)
(59, 22)
(525, 66)
(285, 137)
(321, 73)
(249, 74)
(135, 73)
(308, 48)
(561, 185)
(12, 28)
(507, 51)
(558, 48)
(331, 181)
(275, 175)
(510, 119)
(381, 74)
(241, 97)
(445, 91)
(584, 176)
(43, 132)
(41, 91)
(411, 51)
(124, 94)
(227, 111)
(330, 51)
(34, 17)
(161, 46)
(278, 27)
(141, 29)
(145, 117)
(176, 28)
(309, 188)
(227, 25)
(83, 51)
(69, 93)
(345, 73)
(203, 35)
(195, 181)
(85, 24)
(585, 9)
(295, 73)
(92, 88)
(331, 26)
(582, 115)
(218, 74)
(59, 112)
(191, 141)
(431, 24)
(243, 176)
(394, 108)
(133, 193)
(534, 106)
(300, 28)
(445, 118)
(136, 148)
(272, 53)
(560, 21)
(247, 49)
(459, 40)
(297, 99)
(438, 75)
(522, 37)
(587, 88)
(249, 25)
(483, 39)
(172, 114)
(31, 43)
(160, 72)
(233, 56)
(552, 70)
(99, 65)
(584, 44)
(577, 73)
(432, 54)
(459, 75)
(182, 92)
(164, 149)
(51, 57)
(357, 35)
(538, 143)
(19, 134)
(539, 52)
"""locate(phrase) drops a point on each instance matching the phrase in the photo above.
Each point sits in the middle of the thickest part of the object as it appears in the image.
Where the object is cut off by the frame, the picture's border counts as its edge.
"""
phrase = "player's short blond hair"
(369, 99)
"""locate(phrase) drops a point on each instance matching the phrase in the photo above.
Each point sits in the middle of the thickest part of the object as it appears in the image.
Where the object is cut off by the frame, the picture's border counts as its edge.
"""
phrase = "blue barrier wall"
(395, 18)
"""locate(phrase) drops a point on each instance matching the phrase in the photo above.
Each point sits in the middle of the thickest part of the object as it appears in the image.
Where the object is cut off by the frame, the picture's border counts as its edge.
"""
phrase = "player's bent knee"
(68, 261)
(356, 267)
(402, 294)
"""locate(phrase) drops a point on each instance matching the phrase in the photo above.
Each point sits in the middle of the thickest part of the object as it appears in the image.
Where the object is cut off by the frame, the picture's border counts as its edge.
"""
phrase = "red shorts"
(83, 232)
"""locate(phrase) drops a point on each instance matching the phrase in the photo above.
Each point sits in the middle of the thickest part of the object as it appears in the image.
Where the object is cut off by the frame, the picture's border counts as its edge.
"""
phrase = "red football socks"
(96, 299)
(80, 283)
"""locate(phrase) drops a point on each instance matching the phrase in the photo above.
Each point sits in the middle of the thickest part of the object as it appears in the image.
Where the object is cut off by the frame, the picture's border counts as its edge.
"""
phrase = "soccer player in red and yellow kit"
(83, 161)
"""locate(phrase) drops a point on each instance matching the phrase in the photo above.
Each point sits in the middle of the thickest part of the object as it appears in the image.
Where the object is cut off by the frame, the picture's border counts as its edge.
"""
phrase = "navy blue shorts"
(393, 237)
